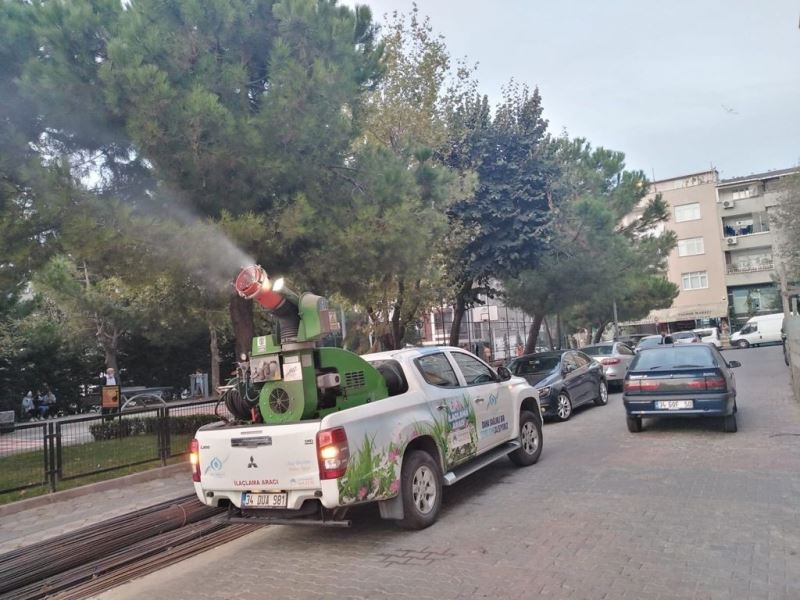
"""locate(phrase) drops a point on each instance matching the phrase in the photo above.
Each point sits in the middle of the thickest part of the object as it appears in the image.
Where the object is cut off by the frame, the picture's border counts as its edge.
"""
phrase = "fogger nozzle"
(252, 283)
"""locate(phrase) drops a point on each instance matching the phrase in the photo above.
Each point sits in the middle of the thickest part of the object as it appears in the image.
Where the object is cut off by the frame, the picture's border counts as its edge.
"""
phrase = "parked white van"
(764, 329)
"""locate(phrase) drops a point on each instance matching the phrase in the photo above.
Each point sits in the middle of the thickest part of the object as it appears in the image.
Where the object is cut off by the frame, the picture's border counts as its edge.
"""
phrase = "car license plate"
(674, 404)
(264, 500)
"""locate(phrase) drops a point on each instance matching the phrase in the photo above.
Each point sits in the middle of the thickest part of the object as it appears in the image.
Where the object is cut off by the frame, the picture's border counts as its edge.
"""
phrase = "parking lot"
(680, 510)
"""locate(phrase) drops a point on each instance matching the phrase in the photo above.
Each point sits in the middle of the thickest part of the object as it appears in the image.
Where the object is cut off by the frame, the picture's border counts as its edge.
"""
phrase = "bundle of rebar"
(46, 560)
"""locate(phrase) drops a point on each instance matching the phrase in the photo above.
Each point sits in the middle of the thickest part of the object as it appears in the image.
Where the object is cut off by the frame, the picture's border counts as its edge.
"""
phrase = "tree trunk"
(214, 348)
(110, 345)
(459, 309)
(396, 324)
(549, 335)
(533, 333)
(111, 359)
(599, 333)
(242, 320)
(558, 331)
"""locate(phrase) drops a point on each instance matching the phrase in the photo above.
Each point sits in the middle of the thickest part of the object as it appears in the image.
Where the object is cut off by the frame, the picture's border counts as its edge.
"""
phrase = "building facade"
(726, 258)
(696, 264)
(749, 243)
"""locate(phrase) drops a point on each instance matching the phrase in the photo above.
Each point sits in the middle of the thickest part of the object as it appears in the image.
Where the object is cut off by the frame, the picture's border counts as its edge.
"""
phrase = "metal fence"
(44, 453)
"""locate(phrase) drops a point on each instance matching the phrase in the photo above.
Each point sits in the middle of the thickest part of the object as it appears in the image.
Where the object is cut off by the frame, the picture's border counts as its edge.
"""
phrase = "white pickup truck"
(448, 414)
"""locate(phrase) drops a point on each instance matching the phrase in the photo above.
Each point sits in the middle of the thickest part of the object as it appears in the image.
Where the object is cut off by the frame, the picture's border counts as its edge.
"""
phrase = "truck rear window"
(392, 374)
(436, 370)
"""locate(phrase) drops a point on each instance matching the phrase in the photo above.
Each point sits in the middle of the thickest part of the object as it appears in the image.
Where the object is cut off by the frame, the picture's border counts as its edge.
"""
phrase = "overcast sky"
(677, 85)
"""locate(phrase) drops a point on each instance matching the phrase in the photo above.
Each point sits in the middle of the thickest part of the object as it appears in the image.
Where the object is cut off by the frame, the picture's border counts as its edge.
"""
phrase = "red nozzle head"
(252, 283)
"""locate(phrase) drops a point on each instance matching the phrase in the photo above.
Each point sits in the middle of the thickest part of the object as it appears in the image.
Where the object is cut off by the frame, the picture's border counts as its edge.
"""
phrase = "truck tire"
(421, 490)
(530, 439)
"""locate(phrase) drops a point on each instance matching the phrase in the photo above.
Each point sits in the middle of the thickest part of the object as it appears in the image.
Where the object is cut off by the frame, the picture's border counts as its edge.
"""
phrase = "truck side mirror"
(503, 373)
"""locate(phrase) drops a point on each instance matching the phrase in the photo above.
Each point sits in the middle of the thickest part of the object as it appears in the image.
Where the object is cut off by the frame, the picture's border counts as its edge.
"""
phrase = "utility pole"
(616, 325)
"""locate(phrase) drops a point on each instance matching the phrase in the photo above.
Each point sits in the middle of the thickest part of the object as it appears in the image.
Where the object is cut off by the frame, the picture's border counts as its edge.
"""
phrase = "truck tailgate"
(259, 458)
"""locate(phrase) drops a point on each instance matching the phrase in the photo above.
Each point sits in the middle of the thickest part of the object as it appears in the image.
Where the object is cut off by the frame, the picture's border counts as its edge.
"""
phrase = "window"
(599, 350)
(696, 280)
(623, 349)
(535, 364)
(474, 371)
(687, 212)
(569, 362)
(581, 359)
(691, 247)
(436, 370)
(670, 358)
(741, 193)
(749, 328)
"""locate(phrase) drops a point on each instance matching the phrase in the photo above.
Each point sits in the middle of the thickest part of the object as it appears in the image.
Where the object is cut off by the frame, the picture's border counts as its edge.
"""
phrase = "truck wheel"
(421, 488)
(742, 344)
(530, 439)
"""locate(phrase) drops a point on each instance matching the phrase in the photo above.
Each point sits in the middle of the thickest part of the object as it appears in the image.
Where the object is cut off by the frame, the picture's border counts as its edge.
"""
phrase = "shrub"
(128, 426)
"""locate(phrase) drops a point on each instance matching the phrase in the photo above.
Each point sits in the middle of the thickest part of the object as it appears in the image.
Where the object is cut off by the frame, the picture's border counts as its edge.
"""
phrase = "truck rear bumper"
(312, 513)
(295, 499)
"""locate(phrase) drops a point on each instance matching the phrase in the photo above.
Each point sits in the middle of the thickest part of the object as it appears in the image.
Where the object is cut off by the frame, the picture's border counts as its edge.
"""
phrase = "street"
(680, 510)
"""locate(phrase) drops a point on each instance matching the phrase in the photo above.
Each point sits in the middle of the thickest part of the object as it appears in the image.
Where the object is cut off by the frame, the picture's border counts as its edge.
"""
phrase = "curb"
(91, 488)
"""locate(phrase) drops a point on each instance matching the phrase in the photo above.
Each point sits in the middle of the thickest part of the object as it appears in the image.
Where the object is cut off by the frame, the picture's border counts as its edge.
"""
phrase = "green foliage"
(507, 216)
(597, 252)
(131, 426)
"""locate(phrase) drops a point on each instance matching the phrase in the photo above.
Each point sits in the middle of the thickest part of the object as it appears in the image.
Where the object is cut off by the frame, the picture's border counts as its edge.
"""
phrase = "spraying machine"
(289, 378)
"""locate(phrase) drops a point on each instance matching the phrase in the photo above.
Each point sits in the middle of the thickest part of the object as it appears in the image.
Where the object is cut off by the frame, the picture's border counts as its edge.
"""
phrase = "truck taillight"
(333, 453)
(194, 459)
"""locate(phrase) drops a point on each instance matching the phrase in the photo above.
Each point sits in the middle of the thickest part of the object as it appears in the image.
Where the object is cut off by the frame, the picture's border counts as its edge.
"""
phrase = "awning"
(684, 313)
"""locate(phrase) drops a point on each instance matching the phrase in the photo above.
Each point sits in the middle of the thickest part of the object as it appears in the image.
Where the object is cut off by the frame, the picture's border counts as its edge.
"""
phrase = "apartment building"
(696, 264)
(749, 242)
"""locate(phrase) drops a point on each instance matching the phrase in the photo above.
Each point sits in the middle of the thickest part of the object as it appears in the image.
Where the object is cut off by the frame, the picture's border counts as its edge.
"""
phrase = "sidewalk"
(29, 521)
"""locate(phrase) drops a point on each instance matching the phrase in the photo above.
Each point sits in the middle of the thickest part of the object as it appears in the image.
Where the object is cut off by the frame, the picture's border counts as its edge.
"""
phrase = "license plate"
(674, 404)
(264, 500)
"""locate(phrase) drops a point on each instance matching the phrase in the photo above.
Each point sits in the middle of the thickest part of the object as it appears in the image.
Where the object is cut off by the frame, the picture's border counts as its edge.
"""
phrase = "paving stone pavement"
(44, 522)
(681, 510)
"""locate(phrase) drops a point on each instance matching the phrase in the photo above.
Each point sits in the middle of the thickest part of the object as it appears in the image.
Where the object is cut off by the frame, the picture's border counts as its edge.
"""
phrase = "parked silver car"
(709, 335)
(685, 337)
(615, 357)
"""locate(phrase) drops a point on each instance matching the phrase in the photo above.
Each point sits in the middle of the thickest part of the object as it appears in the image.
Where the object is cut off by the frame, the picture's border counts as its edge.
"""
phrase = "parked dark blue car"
(691, 380)
(564, 379)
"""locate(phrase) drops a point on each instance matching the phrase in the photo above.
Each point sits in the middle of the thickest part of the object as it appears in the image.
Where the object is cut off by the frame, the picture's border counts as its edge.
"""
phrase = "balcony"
(751, 267)
(749, 273)
(747, 241)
